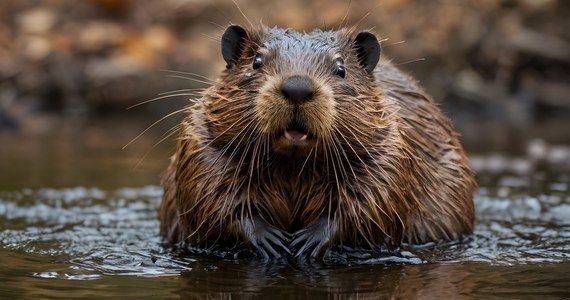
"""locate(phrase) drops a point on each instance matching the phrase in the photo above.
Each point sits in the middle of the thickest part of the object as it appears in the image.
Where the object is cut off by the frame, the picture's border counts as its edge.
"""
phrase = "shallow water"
(102, 241)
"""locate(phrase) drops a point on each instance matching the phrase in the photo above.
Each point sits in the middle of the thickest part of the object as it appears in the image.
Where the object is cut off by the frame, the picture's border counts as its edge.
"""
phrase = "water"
(100, 239)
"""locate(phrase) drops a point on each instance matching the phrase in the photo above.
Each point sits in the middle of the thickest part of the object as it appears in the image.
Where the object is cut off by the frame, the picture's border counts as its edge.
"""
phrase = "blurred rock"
(100, 35)
(504, 63)
(36, 21)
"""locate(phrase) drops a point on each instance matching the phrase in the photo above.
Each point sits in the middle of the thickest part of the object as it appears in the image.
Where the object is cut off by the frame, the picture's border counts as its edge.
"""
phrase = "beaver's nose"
(297, 89)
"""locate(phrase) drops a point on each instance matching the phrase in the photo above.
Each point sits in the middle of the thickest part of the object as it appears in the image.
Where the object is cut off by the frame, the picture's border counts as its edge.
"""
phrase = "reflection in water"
(362, 282)
(54, 241)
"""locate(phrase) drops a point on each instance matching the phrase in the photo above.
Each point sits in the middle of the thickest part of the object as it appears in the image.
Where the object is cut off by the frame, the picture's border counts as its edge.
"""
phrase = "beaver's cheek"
(271, 110)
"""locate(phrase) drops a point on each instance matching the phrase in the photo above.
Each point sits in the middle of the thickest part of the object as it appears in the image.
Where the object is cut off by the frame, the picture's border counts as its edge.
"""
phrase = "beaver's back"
(433, 141)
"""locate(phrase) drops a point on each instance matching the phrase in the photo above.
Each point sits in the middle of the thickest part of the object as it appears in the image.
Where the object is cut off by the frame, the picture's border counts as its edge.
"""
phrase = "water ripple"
(116, 232)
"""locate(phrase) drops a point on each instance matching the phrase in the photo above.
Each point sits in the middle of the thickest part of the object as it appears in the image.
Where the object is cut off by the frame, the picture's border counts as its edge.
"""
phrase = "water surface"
(99, 238)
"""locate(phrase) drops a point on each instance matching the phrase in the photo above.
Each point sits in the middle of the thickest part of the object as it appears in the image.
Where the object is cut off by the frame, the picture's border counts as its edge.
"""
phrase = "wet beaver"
(306, 143)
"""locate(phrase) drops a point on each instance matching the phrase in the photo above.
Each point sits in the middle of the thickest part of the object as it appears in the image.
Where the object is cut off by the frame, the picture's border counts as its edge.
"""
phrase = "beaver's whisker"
(341, 189)
(257, 153)
(243, 14)
(212, 81)
(154, 124)
(232, 154)
(305, 162)
(191, 208)
(409, 61)
(316, 155)
(345, 17)
(326, 158)
(235, 147)
(268, 163)
(366, 230)
(392, 44)
(357, 24)
(165, 136)
(352, 112)
(189, 78)
(234, 113)
(343, 152)
(244, 151)
(333, 161)
(222, 27)
(347, 127)
(244, 116)
(338, 151)
(196, 91)
(164, 97)
(211, 38)
(256, 161)
(334, 214)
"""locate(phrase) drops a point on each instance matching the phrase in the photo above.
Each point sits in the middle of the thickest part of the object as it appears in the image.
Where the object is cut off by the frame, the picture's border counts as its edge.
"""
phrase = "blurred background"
(69, 69)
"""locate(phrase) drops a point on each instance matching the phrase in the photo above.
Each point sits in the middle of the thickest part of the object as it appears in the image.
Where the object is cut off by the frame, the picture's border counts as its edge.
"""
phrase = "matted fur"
(383, 166)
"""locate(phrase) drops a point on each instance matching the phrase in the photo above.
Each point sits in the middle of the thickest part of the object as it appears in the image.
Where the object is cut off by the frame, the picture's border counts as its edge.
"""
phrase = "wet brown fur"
(385, 165)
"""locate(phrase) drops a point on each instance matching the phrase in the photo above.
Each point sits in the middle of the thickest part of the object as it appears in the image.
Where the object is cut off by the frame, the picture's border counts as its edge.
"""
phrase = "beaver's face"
(296, 90)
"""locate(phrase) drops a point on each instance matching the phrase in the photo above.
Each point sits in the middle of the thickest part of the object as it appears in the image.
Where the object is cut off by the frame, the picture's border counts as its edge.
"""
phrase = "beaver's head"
(288, 92)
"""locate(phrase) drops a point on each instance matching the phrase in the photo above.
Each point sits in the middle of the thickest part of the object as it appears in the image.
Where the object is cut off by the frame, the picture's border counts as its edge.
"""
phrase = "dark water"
(100, 238)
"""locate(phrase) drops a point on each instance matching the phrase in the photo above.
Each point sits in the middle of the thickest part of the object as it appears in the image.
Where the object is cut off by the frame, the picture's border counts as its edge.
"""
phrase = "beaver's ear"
(368, 50)
(233, 40)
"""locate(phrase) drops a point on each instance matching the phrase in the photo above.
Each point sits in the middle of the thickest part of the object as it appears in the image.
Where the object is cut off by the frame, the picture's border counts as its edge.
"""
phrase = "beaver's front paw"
(267, 240)
(314, 240)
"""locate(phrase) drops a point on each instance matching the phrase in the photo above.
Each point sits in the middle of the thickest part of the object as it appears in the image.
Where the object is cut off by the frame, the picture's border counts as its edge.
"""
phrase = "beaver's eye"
(340, 70)
(257, 61)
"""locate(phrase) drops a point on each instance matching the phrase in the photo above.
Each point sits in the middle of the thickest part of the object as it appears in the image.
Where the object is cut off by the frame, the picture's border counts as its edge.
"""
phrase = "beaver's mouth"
(296, 132)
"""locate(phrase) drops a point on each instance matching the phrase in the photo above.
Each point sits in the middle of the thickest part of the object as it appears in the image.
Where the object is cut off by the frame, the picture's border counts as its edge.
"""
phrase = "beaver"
(307, 142)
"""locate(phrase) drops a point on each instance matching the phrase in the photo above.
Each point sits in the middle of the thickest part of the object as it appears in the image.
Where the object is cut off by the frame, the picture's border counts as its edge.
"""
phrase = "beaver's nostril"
(297, 89)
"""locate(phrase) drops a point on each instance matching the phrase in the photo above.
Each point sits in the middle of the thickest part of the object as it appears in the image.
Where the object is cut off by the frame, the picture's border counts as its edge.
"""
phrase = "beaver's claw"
(313, 240)
(267, 240)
